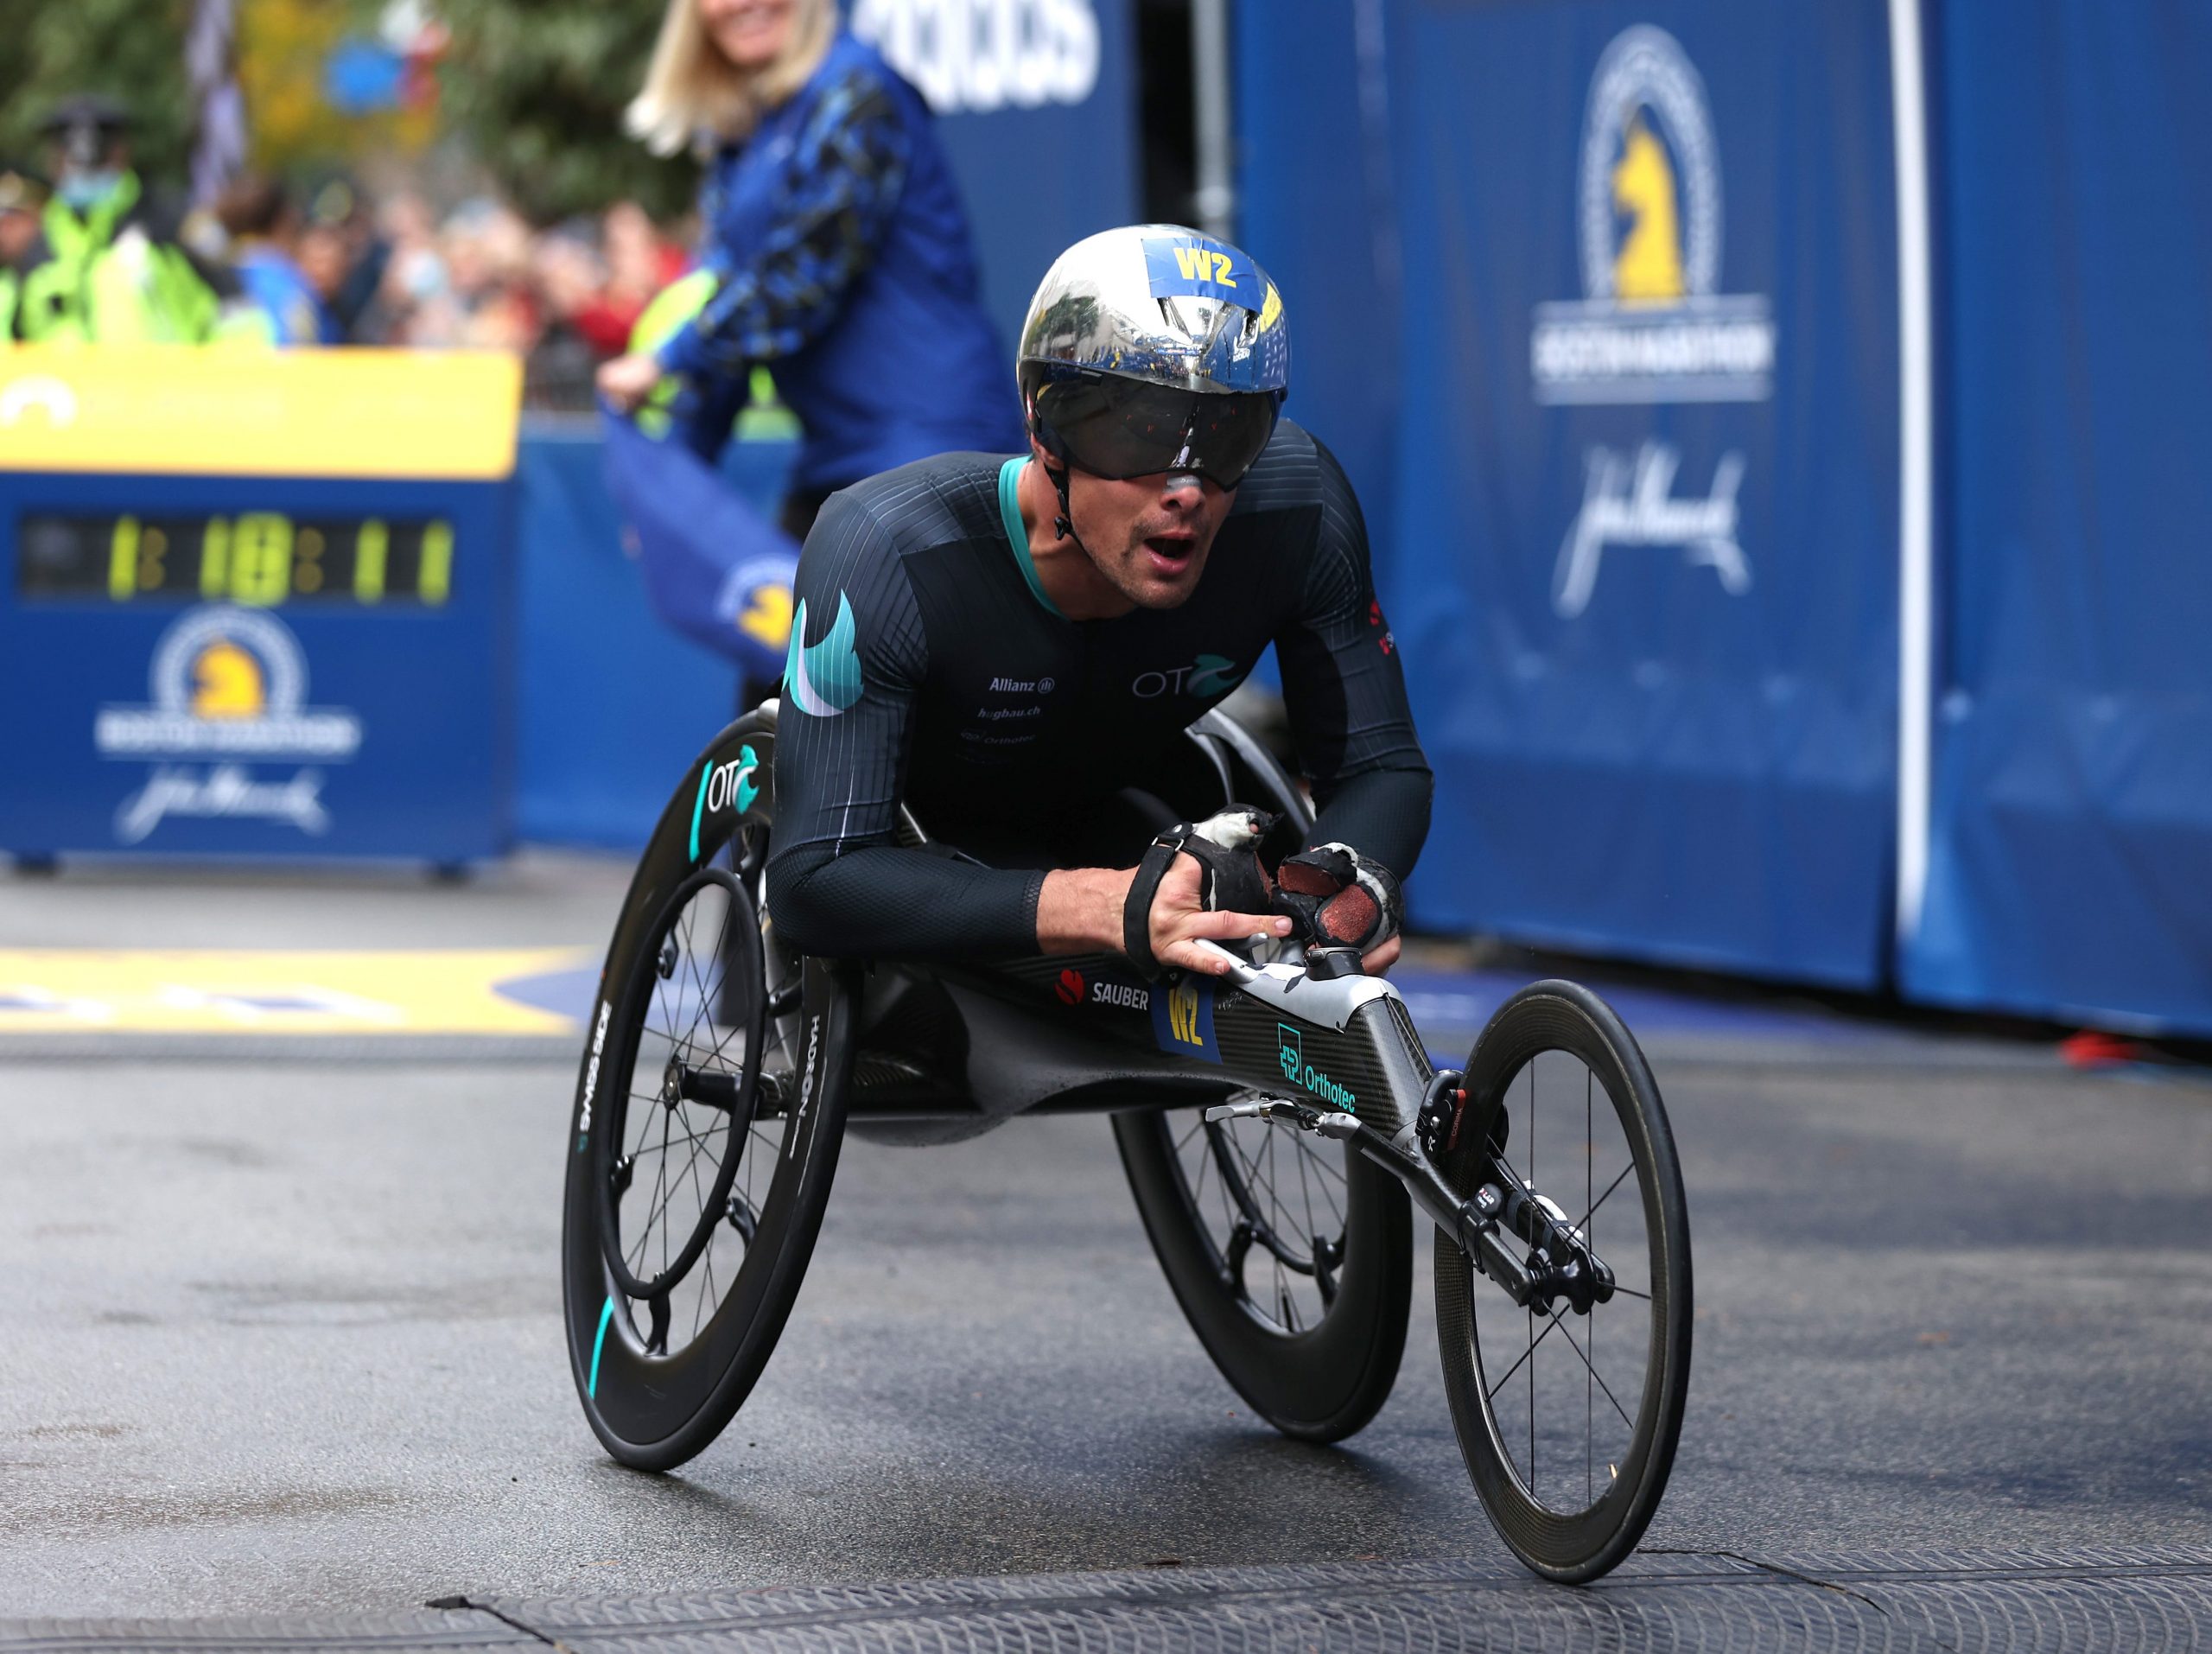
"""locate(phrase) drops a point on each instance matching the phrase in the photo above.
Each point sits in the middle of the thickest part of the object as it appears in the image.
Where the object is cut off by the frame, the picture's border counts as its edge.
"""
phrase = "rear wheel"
(1291, 1255)
(1567, 1416)
(708, 1118)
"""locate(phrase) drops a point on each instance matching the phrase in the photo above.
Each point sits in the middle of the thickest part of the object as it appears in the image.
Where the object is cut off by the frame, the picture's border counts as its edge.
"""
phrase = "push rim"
(1271, 1206)
(669, 1156)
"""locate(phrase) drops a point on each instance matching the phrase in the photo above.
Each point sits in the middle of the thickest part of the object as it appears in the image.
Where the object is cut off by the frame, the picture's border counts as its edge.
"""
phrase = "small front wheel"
(1568, 1409)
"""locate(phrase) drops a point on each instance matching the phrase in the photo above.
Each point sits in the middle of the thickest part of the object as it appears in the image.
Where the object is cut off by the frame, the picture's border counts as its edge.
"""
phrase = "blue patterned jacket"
(845, 265)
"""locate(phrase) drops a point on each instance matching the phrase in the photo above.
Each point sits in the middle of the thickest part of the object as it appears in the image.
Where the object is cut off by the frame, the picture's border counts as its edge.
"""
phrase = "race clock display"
(263, 601)
(262, 558)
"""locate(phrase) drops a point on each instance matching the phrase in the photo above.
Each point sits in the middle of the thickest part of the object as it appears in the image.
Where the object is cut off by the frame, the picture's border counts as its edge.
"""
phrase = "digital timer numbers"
(258, 559)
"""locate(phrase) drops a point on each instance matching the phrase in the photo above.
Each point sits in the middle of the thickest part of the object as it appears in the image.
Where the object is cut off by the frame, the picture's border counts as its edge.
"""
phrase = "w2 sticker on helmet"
(1179, 266)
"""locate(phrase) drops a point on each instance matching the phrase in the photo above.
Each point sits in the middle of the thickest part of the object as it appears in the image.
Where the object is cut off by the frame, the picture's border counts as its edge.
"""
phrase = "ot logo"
(1199, 264)
(732, 783)
(1069, 988)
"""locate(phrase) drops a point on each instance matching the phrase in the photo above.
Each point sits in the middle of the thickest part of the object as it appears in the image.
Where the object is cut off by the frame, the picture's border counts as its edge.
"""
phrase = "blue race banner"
(1644, 569)
(2070, 854)
(1317, 206)
(1037, 107)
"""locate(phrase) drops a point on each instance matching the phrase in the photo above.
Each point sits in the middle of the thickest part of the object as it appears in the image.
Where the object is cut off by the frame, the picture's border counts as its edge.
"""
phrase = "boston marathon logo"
(1651, 327)
(228, 684)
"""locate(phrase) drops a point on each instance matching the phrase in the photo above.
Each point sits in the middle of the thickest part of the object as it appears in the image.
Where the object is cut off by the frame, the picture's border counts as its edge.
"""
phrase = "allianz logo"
(1121, 993)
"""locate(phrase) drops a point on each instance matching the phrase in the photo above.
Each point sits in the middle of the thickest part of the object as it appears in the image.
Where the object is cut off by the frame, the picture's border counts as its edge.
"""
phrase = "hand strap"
(1136, 911)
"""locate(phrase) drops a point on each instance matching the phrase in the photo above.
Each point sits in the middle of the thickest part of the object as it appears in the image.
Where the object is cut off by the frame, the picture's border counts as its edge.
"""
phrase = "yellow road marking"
(195, 990)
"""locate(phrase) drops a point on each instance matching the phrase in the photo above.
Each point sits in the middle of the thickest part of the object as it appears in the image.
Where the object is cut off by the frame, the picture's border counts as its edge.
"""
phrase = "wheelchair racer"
(1012, 647)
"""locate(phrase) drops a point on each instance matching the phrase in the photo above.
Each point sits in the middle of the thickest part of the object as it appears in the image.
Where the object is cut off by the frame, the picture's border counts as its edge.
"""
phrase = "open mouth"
(1172, 551)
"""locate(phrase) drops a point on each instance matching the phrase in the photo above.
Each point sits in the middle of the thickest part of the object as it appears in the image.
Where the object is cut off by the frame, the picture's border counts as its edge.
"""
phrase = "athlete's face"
(1148, 536)
(751, 33)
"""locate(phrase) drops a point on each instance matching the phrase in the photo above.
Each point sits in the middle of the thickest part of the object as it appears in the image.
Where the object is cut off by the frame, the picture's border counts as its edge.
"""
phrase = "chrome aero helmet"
(1153, 348)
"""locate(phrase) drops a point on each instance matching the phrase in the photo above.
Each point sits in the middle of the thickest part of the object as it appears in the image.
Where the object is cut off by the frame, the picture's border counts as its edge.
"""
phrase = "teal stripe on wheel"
(591, 1384)
(699, 806)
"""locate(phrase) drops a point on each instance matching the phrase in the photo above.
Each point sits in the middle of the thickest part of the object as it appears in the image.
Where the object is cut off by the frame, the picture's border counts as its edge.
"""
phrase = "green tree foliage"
(131, 50)
(537, 88)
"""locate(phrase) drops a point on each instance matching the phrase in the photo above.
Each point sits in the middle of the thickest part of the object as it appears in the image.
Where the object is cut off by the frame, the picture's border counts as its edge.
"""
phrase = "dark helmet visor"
(1116, 428)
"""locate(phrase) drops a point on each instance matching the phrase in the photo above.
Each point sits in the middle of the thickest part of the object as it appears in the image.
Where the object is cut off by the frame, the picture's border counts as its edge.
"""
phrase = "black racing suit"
(959, 690)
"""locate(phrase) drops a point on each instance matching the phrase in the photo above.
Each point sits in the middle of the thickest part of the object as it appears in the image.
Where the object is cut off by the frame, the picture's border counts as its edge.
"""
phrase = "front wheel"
(1568, 1410)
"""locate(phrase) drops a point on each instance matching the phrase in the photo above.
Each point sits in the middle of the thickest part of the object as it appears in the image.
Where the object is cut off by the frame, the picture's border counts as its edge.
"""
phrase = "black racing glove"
(1338, 898)
(1231, 879)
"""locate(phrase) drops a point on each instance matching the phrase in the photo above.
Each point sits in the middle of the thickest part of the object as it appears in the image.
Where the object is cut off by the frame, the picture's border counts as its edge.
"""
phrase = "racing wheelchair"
(1277, 1124)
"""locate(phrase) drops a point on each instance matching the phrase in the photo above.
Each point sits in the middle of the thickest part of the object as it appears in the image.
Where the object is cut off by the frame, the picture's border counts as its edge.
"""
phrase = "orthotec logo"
(1207, 675)
(1290, 1055)
(823, 678)
(978, 55)
(1652, 326)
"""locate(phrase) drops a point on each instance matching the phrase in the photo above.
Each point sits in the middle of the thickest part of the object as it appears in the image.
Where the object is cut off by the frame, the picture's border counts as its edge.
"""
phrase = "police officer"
(107, 267)
(23, 198)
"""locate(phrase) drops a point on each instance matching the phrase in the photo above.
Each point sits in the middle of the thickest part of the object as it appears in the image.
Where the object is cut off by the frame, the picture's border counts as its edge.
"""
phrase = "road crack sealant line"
(1781, 1572)
(466, 1605)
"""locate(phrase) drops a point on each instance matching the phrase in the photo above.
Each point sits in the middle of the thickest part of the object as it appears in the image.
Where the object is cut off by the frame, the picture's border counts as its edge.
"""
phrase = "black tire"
(667, 1336)
(1316, 1361)
(1315, 1370)
(1569, 1445)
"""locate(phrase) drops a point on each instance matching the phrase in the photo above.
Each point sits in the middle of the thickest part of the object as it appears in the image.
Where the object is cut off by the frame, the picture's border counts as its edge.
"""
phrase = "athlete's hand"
(628, 380)
(1380, 957)
(1178, 921)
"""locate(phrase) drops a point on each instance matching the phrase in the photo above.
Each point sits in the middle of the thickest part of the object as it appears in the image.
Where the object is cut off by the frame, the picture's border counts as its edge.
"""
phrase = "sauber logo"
(1069, 988)
(1121, 994)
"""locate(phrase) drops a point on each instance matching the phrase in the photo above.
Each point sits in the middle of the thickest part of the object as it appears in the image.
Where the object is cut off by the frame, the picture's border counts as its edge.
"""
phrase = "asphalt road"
(283, 1335)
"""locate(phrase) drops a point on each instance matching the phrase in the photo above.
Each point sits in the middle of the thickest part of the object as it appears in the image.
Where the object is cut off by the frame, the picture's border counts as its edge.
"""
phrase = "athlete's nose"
(1183, 483)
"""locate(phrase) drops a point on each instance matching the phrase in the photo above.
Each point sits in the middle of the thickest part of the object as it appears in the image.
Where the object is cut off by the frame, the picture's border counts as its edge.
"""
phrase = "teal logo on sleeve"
(823, 678)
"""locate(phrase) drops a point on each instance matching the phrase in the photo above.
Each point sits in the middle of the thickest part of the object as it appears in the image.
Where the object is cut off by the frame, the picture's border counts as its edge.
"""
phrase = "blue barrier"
(1639, 496)
(614, 704)
(2070, 853)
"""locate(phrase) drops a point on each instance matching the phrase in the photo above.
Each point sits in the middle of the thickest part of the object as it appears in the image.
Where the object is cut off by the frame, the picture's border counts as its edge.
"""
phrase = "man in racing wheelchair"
(1012, 647)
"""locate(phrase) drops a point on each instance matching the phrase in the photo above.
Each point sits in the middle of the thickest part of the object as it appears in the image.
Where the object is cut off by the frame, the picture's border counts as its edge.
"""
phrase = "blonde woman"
(839, 254)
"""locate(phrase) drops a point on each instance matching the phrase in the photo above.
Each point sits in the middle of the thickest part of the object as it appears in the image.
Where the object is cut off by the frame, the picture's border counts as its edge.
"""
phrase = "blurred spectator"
(581, 328)
(23, 198)
(639, 263)
(263, 232)
(836, 251)
(107, 265)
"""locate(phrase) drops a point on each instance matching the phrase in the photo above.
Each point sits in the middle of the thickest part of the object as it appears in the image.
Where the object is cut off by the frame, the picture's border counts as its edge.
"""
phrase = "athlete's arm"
(839, 884)
(1345, 691)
